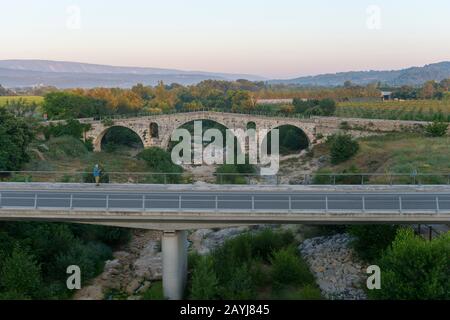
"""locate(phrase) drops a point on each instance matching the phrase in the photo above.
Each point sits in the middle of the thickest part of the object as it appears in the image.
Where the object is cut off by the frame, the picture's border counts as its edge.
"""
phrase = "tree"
(70, 127)
(15, 136)
(328, 106)
(240, 100)
(68, 105)
(20, 275)
(21, 107)
(371, 240)
(342, 147)
(429, 90)
(413, 268)
(204, 281)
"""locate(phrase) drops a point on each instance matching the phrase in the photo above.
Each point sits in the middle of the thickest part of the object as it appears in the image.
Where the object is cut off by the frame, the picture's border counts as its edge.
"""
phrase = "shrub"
(204, 281)
(288, 268)
(371, 240)
(267, 241)
(342, 147)
(159, 160)
(70, 127)
(89, 257)
(413, 268)
(436, 129)
(20, 275)
(308, 292)
(239, 285)
(64, 147)
(234, 173)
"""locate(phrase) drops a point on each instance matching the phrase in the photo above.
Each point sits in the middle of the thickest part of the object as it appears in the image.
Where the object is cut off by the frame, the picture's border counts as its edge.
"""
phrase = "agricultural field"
(421, 110)
(30, 99)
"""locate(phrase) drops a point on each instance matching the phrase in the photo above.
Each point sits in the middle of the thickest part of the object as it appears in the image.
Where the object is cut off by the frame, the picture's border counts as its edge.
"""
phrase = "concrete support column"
(174, 253)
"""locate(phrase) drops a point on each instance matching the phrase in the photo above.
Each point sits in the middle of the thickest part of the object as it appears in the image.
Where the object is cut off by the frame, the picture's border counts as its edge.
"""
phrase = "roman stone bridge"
(156, 130)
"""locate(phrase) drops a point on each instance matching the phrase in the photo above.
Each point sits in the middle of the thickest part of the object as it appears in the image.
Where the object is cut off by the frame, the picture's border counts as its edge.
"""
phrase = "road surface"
(228, 201)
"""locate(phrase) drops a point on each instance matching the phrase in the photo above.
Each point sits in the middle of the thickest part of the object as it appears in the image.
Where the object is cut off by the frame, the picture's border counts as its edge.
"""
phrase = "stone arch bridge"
(156, 130)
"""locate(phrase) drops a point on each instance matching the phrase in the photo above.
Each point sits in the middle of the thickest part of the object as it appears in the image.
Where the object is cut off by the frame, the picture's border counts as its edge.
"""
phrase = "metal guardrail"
(396, 204)
(235, 178)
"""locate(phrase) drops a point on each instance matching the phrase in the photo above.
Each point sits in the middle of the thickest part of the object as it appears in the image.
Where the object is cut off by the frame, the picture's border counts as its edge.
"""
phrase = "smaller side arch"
(97, 141)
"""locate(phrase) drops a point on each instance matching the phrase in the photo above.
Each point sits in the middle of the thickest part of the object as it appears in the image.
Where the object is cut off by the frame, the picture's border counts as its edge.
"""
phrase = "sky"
(274, 39)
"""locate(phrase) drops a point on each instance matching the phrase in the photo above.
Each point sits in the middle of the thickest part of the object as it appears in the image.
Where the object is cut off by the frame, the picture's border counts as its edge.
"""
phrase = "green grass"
(67, 154)
(36, 99)
(399, 153)
(155, 292)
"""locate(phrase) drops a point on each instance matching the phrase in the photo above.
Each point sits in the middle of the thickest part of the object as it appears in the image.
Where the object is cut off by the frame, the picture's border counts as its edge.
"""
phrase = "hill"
(411, 76)
(63, 74)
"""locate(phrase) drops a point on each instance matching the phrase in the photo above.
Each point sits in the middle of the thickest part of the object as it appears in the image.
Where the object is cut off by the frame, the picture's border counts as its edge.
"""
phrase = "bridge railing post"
(107, 202)
(363, 204)
(0, 199)
(326, 204)
(143, 202)
(400, 204)
(35, 200)
(216, 200)
(71, 201)
(253, 203)
(290, 204)
(438, 210)
(179, 203)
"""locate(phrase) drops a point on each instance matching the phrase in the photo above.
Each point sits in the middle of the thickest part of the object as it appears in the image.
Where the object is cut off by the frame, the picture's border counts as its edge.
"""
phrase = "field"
(35, 99)
(398, 154)
(422, 110)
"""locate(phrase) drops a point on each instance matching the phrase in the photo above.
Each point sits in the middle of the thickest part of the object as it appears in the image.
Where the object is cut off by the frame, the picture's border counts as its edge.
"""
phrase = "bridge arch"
(167, 138)
(99, 138)
(291, 135)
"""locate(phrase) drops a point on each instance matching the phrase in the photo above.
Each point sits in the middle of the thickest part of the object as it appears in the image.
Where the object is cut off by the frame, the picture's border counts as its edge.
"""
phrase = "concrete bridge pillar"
(174, 258)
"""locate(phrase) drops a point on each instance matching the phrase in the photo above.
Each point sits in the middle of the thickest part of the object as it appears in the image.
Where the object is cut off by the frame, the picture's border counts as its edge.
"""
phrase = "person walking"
(96, 174)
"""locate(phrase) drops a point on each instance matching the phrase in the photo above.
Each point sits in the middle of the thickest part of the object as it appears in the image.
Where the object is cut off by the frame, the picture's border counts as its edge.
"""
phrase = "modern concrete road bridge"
(177, 208)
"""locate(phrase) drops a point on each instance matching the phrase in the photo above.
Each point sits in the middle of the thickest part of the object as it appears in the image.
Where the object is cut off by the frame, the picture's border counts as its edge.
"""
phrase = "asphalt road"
(210, 201)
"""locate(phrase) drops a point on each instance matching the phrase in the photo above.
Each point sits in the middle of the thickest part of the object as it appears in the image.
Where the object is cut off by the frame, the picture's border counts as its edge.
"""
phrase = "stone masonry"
(315, 128)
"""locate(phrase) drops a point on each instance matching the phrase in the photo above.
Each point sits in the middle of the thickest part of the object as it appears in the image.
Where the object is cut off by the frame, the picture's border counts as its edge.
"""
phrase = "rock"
(322, 159)
(338, 273)
(121, 255)
(149, 264)
(111, 264)
(133, 286)
(91, 293)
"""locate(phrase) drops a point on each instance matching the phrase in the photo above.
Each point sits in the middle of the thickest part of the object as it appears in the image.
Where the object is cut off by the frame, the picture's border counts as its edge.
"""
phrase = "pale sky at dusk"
(276, 39)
